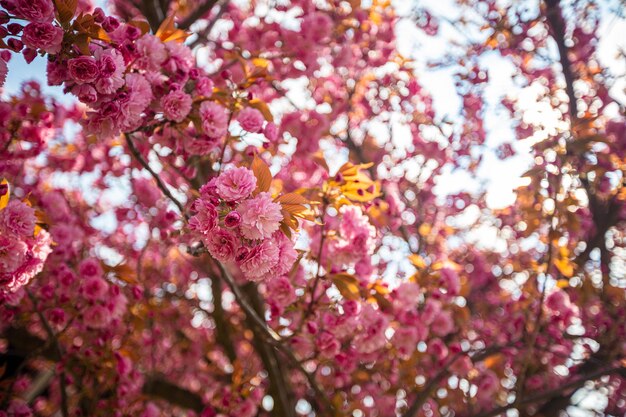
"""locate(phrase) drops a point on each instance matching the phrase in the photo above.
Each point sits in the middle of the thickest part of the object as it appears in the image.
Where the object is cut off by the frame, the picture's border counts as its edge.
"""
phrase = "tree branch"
(162, 186)
(552, 394)
(59, 352)
(555, 20)
(158, 387)
(26, 343)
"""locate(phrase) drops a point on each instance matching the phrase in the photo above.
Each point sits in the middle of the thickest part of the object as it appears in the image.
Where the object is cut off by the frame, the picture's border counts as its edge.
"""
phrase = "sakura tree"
(236, 211)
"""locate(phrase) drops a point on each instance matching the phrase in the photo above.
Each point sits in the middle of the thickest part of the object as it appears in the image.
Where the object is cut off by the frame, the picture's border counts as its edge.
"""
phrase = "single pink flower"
(205, 219)
(111, 70)
(280, 291)
(140, 93)
(90, 267)
(33, 10)
(271, 132)
(214, 119)
(222, 245)
(12, 254)
(152, 53)
(96, 316)
(94, 288)
(85, 93)
(176, 105)
(235, 184)
(260, 217)
(259, 260)
(286, 257)
(17, 219)
(250, 119)
(44, 36)
(328, 345)
(83, 69)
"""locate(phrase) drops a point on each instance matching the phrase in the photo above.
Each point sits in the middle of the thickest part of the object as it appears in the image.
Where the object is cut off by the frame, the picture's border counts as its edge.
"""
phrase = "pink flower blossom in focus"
(176, 105)
(222, 244)
(235, 184)
(44, 36)
(152, 53)
(12, 254)
(205, 219)
(286, 257)
(83, 69)
(260, 217)
(259, 260)
(33, 10)
(111, 74)
(17, 219)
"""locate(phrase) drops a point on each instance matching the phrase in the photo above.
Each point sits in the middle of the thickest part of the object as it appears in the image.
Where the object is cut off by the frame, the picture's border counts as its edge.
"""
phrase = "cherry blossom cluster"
(238, 225)
(24, 247)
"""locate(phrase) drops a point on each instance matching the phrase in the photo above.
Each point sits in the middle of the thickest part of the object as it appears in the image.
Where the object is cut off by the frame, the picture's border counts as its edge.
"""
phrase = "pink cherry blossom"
(176, 105)
(205, 219)
(214, 119)
(17, 219)
(250, 119)
(111, 71)
(260, 217)
(44, 36)
(222, 244)
(235, 184)
(259, 260)
(83, 69)
(35, 10)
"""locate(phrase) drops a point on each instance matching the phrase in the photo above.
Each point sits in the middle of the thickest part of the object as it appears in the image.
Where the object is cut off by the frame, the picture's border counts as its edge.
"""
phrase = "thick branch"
(279, 386)
(158, 387)
(25, 343)
(557, 24)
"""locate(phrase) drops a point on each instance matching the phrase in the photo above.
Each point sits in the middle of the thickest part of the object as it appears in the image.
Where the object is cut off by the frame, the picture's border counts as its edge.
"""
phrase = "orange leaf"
(123, 272)
(291, 198)
(347, 284)
(564, 266)
(168, 32)
(141, 24)
(417, 261)
(65, 10)
(4, 199)
(262, 174)
(262, 107)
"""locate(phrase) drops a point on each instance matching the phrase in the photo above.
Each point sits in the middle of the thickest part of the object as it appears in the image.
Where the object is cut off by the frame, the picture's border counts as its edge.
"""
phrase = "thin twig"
(160, 183)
